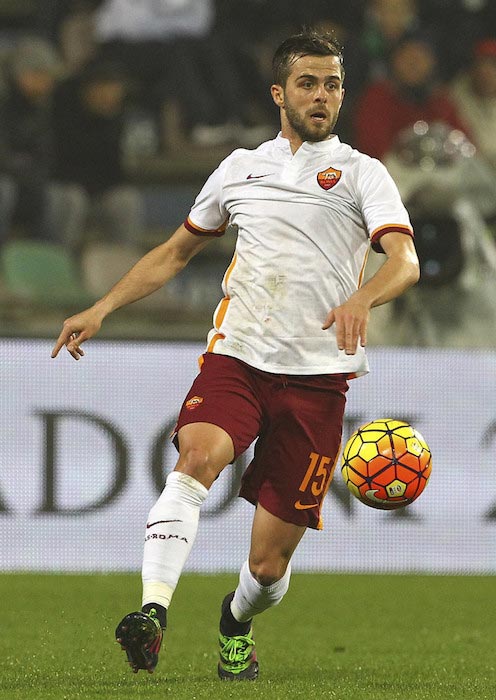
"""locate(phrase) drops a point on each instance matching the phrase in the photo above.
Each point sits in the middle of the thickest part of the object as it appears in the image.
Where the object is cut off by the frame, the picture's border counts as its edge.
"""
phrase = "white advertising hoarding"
(84, 451)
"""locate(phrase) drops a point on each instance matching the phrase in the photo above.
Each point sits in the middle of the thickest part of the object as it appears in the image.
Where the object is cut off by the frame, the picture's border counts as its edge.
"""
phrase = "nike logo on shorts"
(256, 177)
(157, 522)
(304, 506)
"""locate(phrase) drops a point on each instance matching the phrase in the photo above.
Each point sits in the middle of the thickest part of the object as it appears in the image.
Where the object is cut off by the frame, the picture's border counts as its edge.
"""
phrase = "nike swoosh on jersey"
(256, 177)
(157, 522)
(304, 506)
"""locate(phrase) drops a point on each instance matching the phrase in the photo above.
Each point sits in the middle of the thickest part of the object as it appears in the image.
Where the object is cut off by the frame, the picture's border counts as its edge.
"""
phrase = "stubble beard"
(308, 132)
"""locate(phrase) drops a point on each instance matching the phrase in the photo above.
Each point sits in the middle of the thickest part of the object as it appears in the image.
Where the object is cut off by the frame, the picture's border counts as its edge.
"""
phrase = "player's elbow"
(410, 267)
(413, 274)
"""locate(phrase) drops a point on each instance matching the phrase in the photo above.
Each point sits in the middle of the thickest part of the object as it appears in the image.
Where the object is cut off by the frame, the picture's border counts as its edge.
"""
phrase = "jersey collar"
(327, 146)
(282, 143)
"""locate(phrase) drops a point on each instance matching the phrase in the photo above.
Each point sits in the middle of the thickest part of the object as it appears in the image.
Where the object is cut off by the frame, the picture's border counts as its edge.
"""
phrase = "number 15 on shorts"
(317, 478)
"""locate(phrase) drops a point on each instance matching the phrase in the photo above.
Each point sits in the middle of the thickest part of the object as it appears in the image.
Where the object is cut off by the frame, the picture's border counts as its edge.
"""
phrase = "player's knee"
(198, 463)
(268, 571)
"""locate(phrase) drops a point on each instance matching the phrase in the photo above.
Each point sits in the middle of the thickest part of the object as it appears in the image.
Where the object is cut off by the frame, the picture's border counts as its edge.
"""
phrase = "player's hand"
(351, 321)
(76, 330)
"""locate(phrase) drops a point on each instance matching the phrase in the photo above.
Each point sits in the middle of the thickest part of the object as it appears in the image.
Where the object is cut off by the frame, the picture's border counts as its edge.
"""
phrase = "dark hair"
(309, 42)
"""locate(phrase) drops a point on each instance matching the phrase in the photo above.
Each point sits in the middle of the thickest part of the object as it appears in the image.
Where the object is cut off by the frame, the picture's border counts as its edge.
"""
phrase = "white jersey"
(305, 223)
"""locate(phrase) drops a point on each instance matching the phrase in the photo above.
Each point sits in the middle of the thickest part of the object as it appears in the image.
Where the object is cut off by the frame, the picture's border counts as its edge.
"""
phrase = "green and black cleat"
(237, 658)
(140, 636)
(237, 655)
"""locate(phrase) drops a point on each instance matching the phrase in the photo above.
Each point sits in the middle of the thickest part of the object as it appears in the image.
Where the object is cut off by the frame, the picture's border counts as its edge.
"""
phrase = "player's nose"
(320, 94)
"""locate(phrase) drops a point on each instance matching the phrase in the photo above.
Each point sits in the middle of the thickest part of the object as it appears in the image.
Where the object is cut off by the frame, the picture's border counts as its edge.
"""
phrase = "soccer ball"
(386, 464)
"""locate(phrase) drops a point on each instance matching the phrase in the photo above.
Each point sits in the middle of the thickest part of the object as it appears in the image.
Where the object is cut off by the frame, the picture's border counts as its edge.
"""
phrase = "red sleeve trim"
(390, 228)
(197, 231)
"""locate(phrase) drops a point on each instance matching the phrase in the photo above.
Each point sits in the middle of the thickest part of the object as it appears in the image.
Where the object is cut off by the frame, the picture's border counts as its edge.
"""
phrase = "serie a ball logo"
(386, 464)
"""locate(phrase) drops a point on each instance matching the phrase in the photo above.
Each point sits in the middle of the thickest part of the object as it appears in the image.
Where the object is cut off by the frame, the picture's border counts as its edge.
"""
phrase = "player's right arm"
(150, 273)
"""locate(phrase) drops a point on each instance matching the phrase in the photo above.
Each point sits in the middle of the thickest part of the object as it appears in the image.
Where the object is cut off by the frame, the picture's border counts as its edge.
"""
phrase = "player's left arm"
(400, 271)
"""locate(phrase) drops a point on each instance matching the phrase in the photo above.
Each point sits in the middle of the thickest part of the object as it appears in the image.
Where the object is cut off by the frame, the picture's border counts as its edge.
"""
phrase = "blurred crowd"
(91, 89)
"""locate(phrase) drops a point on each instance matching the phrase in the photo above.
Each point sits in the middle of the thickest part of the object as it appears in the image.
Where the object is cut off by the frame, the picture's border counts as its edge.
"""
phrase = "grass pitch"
(334, 636)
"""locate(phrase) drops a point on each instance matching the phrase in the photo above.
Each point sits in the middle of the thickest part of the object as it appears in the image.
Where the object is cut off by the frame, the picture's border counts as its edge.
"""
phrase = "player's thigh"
(204, 450)
(219, 419)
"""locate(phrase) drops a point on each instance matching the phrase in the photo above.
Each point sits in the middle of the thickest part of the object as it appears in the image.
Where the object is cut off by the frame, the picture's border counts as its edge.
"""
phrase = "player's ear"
(277, 92)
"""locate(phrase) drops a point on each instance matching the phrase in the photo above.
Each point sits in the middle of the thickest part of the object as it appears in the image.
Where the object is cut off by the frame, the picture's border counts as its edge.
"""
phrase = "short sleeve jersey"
(305, 223)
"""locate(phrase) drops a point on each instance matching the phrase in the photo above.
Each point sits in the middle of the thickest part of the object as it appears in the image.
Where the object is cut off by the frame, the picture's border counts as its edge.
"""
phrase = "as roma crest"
(193, 402)
(328, 178)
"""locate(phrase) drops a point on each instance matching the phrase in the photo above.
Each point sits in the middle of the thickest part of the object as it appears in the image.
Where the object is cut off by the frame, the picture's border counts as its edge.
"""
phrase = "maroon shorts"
(297, 420)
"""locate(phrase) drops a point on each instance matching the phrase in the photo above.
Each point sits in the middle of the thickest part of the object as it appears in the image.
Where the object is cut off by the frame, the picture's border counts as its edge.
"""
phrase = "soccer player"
(286, 338)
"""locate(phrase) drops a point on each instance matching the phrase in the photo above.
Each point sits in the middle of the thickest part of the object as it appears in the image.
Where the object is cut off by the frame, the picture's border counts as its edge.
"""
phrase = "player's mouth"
(319, 116)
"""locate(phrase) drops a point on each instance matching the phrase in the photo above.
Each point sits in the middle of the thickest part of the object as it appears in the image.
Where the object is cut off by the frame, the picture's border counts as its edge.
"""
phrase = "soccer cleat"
(140, 636)
(237, 656)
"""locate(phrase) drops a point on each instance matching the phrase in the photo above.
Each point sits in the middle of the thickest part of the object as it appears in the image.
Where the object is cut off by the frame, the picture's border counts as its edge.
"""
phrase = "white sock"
(251, 598)
(170, 533)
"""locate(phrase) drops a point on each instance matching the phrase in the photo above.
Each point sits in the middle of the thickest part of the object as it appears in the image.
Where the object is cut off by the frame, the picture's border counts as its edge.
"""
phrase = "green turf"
(342, 637)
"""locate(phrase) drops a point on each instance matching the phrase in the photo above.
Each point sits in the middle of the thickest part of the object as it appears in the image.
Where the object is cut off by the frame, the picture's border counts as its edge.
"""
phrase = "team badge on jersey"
(194, 402)
(328, 178)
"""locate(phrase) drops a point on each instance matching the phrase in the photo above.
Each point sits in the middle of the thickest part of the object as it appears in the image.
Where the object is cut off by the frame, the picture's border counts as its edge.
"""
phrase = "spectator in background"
(463, 23)
(25, 138)
(76, 33)
(369, 49)
(411, 93)
(474, 91)
(188, 81)
(413, 125)
(90, 179)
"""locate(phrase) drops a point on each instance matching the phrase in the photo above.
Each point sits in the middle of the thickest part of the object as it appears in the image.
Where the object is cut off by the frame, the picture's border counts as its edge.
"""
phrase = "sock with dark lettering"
(170, 532)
